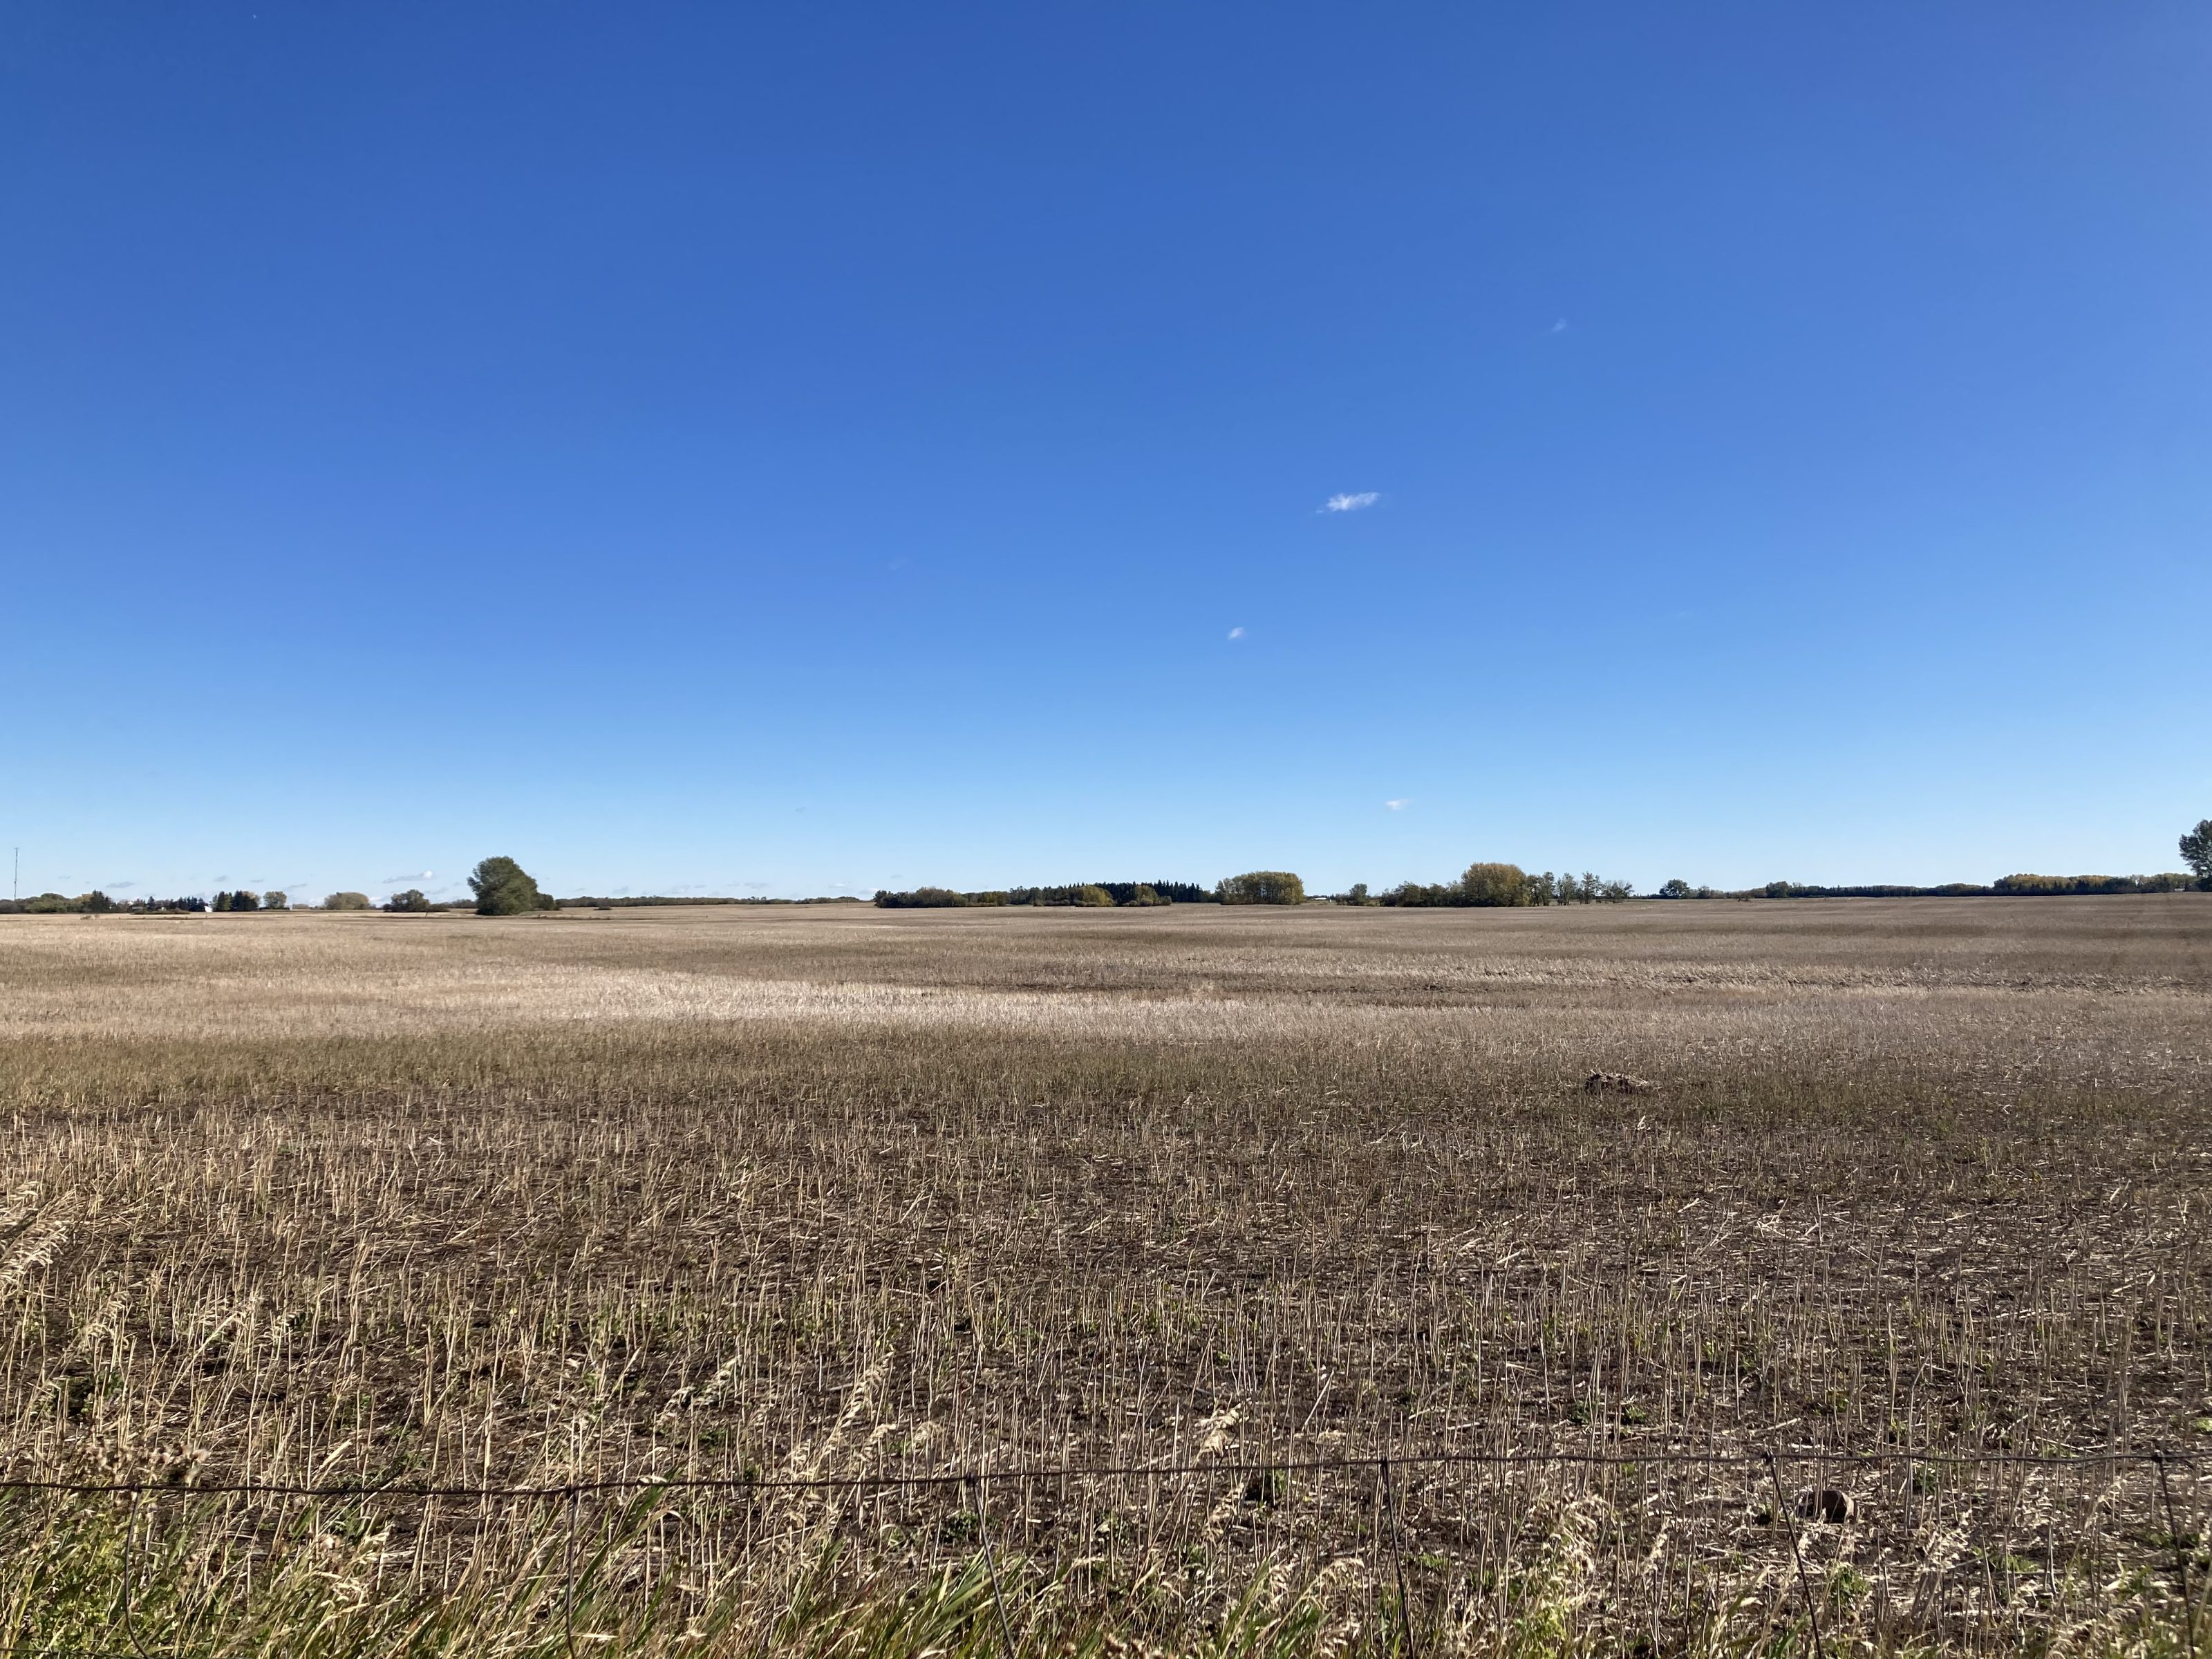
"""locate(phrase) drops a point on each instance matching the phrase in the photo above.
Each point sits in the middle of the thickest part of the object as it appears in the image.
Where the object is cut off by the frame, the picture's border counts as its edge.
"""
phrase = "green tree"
(2196, 852)
(1263, 887)
(1495, 884)
(920, 899)
(413, 900)
(504, 887)
(276, 899)
(1675, 889)
(346, 902)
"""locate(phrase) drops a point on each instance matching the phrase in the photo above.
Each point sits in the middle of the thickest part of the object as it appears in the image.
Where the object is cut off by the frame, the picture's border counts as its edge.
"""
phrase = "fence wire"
(1393, 1530)
(2147, 1457)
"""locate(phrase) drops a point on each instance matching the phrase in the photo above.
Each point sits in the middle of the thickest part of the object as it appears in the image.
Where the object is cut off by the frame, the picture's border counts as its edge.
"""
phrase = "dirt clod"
(1826, 1503)
(1617, 1083)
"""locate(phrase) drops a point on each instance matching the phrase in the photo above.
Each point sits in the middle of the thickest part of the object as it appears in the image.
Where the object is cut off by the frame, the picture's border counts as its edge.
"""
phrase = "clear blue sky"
(783, 449)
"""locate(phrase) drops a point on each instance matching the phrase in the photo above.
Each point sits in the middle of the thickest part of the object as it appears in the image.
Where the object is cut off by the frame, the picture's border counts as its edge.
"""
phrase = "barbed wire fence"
(1821, 1505)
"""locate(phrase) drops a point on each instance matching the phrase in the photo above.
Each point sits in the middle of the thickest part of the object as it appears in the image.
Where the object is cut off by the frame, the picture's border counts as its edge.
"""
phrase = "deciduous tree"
(1263, 887)
(1495, 884)
(504, 887)
(2196, 852)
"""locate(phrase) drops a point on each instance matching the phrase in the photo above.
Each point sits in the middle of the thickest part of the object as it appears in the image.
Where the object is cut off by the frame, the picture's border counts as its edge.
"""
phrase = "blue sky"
(804, 448)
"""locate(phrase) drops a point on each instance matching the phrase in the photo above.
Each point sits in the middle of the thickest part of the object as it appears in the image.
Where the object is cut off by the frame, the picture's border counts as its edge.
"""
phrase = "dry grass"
(855, 1192)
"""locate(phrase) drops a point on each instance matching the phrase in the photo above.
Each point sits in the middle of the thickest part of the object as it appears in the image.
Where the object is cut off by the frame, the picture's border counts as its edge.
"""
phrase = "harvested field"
(854, 1196)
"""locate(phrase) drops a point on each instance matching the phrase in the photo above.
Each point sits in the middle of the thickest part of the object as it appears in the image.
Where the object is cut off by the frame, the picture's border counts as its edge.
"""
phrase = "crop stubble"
(836, 1192)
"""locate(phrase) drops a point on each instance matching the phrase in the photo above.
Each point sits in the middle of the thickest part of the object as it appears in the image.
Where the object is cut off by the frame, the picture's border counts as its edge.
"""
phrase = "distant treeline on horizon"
(2016, 886)
(1087, 894)
(1483, 886)
(1504, 885)
(98, 903)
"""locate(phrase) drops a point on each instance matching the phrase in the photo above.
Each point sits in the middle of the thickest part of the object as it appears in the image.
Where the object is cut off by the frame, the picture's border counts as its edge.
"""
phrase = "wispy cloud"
(1351, 503)
(1401, 804)
(1560, 327)
(411, 875)
(1235, 633)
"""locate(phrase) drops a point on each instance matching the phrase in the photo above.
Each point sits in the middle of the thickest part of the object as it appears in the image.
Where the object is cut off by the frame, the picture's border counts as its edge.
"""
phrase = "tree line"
(1480, 884)
(1082, 895)
(2013, 886)
(501, 887)
(1488, 885)
(97, 903)
(1496, 885)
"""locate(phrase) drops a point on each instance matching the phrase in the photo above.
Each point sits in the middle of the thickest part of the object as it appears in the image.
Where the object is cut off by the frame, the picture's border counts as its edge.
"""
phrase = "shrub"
(504, 887)
(1263, 887)
(346, 902)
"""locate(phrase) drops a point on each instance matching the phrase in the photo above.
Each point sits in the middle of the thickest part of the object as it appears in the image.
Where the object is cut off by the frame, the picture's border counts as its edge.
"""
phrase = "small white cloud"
(412, 875)
(1235, 633)
(1401, 804)
(1351, 503)
(1560, 327)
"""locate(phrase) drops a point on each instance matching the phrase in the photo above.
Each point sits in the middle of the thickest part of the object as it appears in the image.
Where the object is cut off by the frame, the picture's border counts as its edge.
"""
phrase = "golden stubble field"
(845, 1195)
